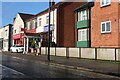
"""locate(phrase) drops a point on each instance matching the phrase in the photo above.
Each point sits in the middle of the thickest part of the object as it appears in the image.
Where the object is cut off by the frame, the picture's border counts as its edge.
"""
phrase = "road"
(28, 67)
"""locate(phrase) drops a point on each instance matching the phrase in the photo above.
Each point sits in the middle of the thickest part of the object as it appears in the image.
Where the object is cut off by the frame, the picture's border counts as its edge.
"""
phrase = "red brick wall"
(119, 26)
(99, 15)
(66, 24)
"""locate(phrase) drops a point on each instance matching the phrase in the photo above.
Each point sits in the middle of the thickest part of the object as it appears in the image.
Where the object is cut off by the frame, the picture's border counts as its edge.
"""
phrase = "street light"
(50, 4)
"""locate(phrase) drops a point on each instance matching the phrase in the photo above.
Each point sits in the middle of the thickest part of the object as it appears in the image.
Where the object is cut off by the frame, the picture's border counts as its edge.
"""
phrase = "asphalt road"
(26, 67)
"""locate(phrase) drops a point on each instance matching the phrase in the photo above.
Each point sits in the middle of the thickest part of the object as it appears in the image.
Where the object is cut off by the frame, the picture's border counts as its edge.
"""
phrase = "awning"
(31, 31)
(32, 35)
(17, 36)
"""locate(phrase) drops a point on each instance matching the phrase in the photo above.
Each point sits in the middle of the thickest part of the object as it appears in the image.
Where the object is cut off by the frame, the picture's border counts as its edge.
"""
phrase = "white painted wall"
(60, 51)
(52, 51)
(53, 21)
(118, 54)
(74, 52)
(6, 37)
(43, 50)
(2, 32)
(6, 28)
(18, 24)
(106, 54)
(88, 53)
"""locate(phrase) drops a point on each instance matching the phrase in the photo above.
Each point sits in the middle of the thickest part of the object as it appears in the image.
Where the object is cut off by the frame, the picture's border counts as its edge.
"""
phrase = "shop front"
(43, 31)
(31, 41)
(18, 39)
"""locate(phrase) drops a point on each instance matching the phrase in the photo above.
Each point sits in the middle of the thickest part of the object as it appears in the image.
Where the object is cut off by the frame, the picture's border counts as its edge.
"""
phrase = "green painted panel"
(83, 44)
(82, 24)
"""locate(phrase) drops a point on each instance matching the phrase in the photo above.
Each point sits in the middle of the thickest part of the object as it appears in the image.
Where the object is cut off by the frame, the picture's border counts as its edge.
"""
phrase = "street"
(24, 66)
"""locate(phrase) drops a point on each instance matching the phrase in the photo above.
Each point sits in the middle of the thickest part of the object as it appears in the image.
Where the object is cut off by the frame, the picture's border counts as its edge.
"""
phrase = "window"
(28, 25)
(14, 31)
(83, 34)
(105, 2)
(5, 44)
(82, 15)
(106, 27)
(6, 33)
(47, 19)
(40, 21)
(33, 24)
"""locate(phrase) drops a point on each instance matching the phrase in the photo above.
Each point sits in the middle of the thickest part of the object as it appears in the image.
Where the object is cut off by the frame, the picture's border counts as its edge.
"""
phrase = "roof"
(85, 5)
(10, 25)
(25, 16)
(52, 8)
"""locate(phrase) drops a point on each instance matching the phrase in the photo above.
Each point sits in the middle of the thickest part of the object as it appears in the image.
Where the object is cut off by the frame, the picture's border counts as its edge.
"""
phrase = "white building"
(43, 24)
(18, 27)
(6, 37)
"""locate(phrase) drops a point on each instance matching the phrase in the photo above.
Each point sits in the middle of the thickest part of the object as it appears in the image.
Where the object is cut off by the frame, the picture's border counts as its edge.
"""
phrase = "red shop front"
(18, 39)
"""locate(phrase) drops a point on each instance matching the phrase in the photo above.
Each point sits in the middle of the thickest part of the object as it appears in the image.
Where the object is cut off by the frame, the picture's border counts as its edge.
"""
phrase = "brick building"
(66, 24)
(98, 24)
(105, 24)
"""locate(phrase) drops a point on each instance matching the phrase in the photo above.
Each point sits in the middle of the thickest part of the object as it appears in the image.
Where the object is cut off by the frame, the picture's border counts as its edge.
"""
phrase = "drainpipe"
(87, 26)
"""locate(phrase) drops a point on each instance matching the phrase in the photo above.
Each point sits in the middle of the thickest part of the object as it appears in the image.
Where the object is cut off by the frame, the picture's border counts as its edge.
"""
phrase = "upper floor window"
(6, 33)
(33, 24)
(105, 2)
(40, 21)
(28, 25)
(106, 27)
(83, 15)
(47, 19)
(14, 31)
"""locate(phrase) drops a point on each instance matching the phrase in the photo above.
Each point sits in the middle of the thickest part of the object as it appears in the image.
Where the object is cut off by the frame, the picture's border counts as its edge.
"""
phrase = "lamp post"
(49, 32)
(49, 38)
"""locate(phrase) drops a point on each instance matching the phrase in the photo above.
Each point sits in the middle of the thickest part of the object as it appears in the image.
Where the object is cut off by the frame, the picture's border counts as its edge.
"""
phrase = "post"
(49, 32)
(24, 46)
(27, 45)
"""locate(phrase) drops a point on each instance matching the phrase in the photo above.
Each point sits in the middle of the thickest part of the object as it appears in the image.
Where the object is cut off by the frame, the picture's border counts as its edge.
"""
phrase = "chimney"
(52, 2)
(13, 19)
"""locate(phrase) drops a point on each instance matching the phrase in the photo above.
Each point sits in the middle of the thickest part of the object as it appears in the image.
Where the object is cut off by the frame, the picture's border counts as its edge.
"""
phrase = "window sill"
(102, 6)
(105, 32)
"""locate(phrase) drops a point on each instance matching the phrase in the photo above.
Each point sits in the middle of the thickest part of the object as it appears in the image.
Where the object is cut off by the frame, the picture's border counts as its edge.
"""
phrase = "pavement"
(104, 67)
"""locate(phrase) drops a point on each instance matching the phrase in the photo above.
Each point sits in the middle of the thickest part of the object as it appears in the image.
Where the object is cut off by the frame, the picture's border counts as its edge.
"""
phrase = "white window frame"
(87, 34)
(105, 27)
(47, 19)
(28, 25)
(40, 21)
(80, 15)
(85, 14)
(102, 5)
(33, 24)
